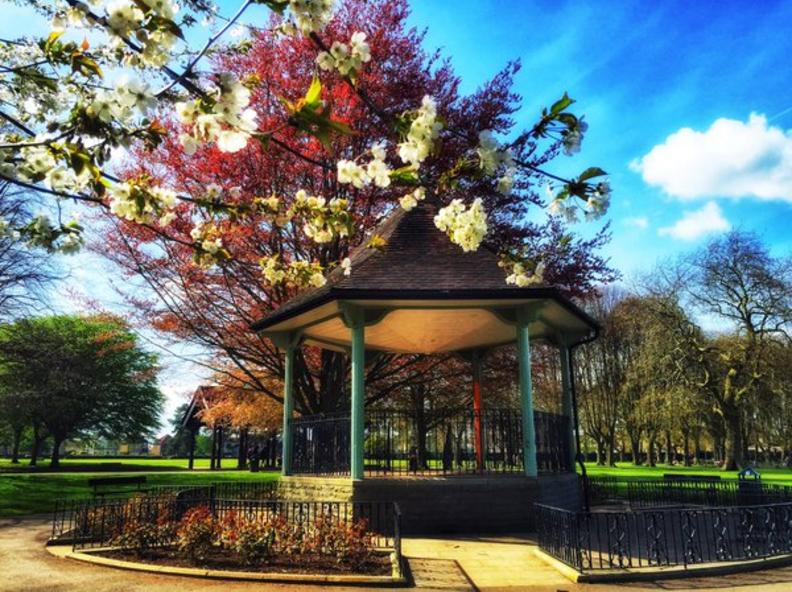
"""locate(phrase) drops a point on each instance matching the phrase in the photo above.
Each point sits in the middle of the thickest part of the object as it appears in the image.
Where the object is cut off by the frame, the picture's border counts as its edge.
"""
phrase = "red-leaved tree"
(214, 307)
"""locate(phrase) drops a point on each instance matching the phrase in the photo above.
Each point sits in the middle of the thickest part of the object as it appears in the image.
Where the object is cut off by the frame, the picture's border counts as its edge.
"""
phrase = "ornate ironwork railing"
(652, 493)
(101, 522)
(423, 443)
(664, 537)
(67, 512)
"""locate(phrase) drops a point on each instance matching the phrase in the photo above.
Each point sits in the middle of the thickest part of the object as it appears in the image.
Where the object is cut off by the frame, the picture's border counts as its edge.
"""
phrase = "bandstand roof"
(421, 293)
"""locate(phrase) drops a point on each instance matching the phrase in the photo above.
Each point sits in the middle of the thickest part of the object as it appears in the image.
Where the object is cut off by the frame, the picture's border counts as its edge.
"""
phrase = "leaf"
(164, 24)
(405, 175)
(590, 173)
(86, 66)
(275, 6)
(53, 37)
(561, 104)
(376, 242)
(314, 93)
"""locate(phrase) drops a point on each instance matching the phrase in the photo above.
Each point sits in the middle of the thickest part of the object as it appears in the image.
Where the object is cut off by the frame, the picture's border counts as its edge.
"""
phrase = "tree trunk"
(36, 447)
(242, 452)
(669, 453)
(219, 461)
(55, 458)
(650, 452)
(697, 446)
(601, 452)
(686, 447)
(635, 448)
(191, 450)
(421, 432)
(213, 457)
(732, 452)
(611, 443)
(15, 447)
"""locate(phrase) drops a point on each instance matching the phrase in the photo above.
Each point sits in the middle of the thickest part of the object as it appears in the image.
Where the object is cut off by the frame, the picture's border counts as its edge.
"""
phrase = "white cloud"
(730, 159)
(697, 223)
(637, 222)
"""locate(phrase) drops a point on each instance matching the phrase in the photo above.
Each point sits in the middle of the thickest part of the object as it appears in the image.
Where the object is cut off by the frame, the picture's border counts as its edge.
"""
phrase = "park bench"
(101, 485)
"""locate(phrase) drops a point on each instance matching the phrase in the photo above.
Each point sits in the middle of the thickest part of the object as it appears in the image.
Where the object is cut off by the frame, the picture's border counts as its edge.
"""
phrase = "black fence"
(94, 523)
(68, 513)
(421, 443)
(652, 493)
(664, 537)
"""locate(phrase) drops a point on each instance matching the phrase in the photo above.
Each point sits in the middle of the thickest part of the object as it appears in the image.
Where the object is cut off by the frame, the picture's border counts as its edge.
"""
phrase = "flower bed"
(266, 535)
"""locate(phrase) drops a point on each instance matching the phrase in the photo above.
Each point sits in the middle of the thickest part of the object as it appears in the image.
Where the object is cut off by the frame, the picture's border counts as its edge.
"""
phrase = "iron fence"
(652, 493)
(423, 443)
(94, 523)
(67, 512)
(664, 537)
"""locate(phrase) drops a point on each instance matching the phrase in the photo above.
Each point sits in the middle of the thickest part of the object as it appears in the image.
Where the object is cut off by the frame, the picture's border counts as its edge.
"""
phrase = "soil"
(378, 564)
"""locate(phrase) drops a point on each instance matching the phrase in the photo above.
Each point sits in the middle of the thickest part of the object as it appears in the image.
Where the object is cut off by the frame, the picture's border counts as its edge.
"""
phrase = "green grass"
(629, 471)
(35, 492)
(131, 463)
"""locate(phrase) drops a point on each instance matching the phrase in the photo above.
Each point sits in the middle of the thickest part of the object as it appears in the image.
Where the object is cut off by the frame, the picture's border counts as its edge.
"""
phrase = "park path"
(462, 564)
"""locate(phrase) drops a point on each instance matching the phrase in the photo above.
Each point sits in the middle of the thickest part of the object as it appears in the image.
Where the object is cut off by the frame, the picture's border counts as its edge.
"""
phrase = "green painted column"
(526, 394)
(288, 411)
(566, 400)
(358, 397)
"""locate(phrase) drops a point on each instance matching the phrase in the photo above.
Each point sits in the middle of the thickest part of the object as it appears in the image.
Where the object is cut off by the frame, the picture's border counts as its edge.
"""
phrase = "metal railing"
(664, 537)
(67, 511)
(93, 523)
(424, 443)
(652, 493)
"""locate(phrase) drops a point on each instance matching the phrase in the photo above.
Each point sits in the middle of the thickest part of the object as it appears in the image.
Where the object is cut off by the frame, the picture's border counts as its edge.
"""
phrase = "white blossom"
(311, 15)
(351, 172)
(521, 278)
(317, 279)
(378, 172)
(124, 16)
(559, 207)
(424, 129)
(465, 226)
(346, 265)
(409, 201)
(346, 59)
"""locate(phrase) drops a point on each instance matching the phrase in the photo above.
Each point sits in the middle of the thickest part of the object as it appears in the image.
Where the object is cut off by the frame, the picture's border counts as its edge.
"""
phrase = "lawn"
(35, 492)
(131, 463)
(629, 471)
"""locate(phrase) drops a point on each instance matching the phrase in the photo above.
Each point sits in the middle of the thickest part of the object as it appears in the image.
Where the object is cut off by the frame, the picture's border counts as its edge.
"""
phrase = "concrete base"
(448, 505)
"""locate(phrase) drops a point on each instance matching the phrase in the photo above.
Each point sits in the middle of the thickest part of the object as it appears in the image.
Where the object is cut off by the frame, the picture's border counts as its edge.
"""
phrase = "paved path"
(503, 563)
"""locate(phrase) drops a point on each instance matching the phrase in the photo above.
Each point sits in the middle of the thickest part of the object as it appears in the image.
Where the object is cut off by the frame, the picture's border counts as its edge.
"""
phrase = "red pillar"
(477, 411)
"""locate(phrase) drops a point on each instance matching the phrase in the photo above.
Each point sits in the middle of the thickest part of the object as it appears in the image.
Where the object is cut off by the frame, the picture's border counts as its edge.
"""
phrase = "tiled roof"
(416, 259)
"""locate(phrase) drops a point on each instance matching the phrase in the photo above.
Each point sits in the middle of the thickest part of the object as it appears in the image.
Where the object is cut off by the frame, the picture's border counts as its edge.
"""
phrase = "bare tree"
(25, 273)
(735, 280)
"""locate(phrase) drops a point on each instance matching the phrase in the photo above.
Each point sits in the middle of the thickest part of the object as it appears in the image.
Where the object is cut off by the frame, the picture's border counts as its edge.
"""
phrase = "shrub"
(143, 535)
(348, 542)
(289, 536)
(255, 540)
(197, 533)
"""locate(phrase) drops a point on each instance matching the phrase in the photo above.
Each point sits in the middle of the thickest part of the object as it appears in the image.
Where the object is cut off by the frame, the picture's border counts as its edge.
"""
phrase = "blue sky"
(668, 89)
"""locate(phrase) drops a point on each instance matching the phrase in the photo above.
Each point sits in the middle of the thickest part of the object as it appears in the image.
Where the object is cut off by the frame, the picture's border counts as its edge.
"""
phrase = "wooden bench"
(99, 484)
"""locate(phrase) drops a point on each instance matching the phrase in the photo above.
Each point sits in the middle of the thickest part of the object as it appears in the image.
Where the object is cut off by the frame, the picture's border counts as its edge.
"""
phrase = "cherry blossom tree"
(73, 104)
(327, 199)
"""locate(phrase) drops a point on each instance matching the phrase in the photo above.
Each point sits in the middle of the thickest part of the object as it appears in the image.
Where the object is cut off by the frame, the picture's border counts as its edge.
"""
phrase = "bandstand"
(422, 294)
